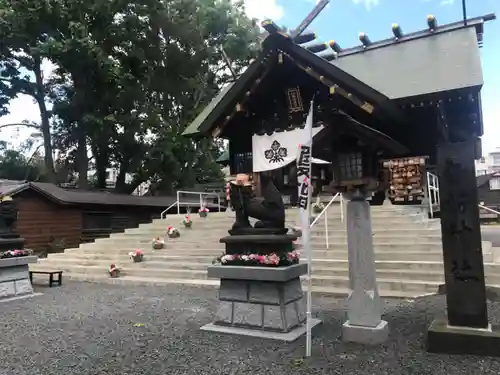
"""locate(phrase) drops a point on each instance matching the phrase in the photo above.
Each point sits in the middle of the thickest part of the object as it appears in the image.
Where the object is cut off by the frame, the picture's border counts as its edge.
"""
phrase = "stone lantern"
(356, 176)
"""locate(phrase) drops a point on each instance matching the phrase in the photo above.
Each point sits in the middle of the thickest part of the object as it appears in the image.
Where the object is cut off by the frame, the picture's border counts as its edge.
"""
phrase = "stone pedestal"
(264, 302)
(12, 242)
(364, 324)
(15, 276)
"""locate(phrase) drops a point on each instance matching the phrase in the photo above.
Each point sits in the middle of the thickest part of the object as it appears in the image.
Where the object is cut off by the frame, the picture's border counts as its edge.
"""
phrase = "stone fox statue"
(269, 208)
(8, 215)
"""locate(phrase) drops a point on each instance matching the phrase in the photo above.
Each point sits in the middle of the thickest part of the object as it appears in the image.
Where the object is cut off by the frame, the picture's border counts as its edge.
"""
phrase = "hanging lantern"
(397, 31)
(335, 46)
(431, 22)
(364, 39)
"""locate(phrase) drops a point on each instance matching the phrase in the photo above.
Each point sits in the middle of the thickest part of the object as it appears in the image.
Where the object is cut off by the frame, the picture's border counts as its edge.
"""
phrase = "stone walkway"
(94, 329)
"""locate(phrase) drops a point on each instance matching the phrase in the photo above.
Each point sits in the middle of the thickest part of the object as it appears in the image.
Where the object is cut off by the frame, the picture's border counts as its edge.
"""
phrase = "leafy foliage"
(129, 77)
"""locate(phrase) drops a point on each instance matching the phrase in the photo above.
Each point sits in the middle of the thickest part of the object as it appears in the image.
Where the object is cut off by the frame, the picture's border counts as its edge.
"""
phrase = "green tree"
(25, 26)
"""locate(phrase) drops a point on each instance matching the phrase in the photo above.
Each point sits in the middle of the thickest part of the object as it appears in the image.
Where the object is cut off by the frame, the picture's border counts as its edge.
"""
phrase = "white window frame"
(495, 183)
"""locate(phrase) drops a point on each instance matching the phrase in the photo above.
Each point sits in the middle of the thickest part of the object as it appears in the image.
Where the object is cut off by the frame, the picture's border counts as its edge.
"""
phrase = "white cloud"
(369, 4)
(446, 2)
(262, 9)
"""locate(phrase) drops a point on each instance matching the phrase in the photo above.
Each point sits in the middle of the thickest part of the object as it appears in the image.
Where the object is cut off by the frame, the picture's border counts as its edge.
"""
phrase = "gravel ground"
(94, 329)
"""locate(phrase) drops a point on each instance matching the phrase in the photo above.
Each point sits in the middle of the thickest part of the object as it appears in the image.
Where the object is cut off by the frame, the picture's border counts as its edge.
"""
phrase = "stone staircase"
(407, 247)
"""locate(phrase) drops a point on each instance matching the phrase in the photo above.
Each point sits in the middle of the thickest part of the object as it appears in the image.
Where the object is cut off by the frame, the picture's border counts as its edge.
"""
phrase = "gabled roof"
(441, 62)
(220, 105)
(422, 62)
(211, 113)
(418, 63)
(81, 197)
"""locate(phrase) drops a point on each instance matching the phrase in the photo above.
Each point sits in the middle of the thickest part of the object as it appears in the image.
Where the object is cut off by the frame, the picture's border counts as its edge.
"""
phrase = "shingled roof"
(78, 197)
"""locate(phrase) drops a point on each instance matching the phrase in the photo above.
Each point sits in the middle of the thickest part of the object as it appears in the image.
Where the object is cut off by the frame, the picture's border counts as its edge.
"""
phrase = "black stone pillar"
(467, 330)
(461, 232)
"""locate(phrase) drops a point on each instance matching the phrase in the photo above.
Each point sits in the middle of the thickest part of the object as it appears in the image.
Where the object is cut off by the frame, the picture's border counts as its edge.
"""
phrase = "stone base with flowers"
(136, 255)
(157, 243)
(187, 222)
(114, 271)
(173, 232)
(260, 289)
(203, 212)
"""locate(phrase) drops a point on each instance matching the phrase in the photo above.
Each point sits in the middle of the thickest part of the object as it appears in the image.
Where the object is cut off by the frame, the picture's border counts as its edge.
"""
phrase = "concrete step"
(331, 221)
(213, 242)
(187, 247)
(382, 255)
(124, 280)
(334, 251)
(156, 260)
(342, 282)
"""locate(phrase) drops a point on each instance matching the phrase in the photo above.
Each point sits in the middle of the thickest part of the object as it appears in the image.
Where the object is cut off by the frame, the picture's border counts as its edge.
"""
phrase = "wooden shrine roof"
(415, 64)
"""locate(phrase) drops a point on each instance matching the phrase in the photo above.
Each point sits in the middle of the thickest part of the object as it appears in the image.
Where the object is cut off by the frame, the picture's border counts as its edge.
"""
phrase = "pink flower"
(262, 259)
(252, 256)
(274, 259)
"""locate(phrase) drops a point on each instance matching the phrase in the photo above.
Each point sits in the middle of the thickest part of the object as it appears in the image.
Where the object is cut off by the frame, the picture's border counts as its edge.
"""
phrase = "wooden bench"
(51, 276)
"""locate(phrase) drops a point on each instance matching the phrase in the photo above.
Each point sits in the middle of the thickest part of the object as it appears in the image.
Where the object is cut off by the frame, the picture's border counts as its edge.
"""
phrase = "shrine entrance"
(370, 111)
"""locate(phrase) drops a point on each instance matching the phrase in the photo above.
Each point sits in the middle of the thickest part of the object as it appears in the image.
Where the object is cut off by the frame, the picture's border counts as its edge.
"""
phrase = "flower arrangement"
(137, 256)
(318, 207)
(203, 211)
(15, 253)
(188, 223)
(114, 271)
(173, 232)
(269, 260)
(158, 243)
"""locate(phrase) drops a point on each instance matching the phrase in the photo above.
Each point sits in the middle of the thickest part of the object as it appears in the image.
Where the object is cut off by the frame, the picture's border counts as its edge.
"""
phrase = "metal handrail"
(488, 209)
(432, 192)
(164, 212)
(200, 193)
(326, 216)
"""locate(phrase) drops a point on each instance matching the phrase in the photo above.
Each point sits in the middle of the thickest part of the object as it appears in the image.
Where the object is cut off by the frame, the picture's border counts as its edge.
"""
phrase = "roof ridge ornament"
(432, 23)
(397, 31)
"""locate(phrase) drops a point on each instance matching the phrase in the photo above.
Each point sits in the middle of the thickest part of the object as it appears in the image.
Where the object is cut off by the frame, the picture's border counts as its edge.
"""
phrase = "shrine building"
(379, 112)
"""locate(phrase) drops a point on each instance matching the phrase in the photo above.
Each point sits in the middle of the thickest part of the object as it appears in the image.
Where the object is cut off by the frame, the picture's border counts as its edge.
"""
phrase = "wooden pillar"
(467, 330)
(256, 180)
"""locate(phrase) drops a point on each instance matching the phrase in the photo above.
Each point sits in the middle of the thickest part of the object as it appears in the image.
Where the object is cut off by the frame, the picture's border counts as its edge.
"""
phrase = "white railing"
(488, 209)
(432, 192)
(203, 195)
(323, 213)
(164, 212)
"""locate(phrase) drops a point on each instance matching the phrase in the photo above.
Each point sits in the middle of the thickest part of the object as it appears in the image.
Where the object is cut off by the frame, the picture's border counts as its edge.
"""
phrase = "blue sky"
(343, 20)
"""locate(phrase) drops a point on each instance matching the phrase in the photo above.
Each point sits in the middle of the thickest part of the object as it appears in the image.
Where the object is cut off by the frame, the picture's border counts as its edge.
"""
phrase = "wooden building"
(488, 188)
(51, 218)
(366, 98)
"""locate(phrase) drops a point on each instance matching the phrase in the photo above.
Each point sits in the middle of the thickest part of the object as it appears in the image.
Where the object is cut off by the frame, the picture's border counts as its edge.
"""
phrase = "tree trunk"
(120, 184)
(45, 119)
(82, 160)
(101, 163)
